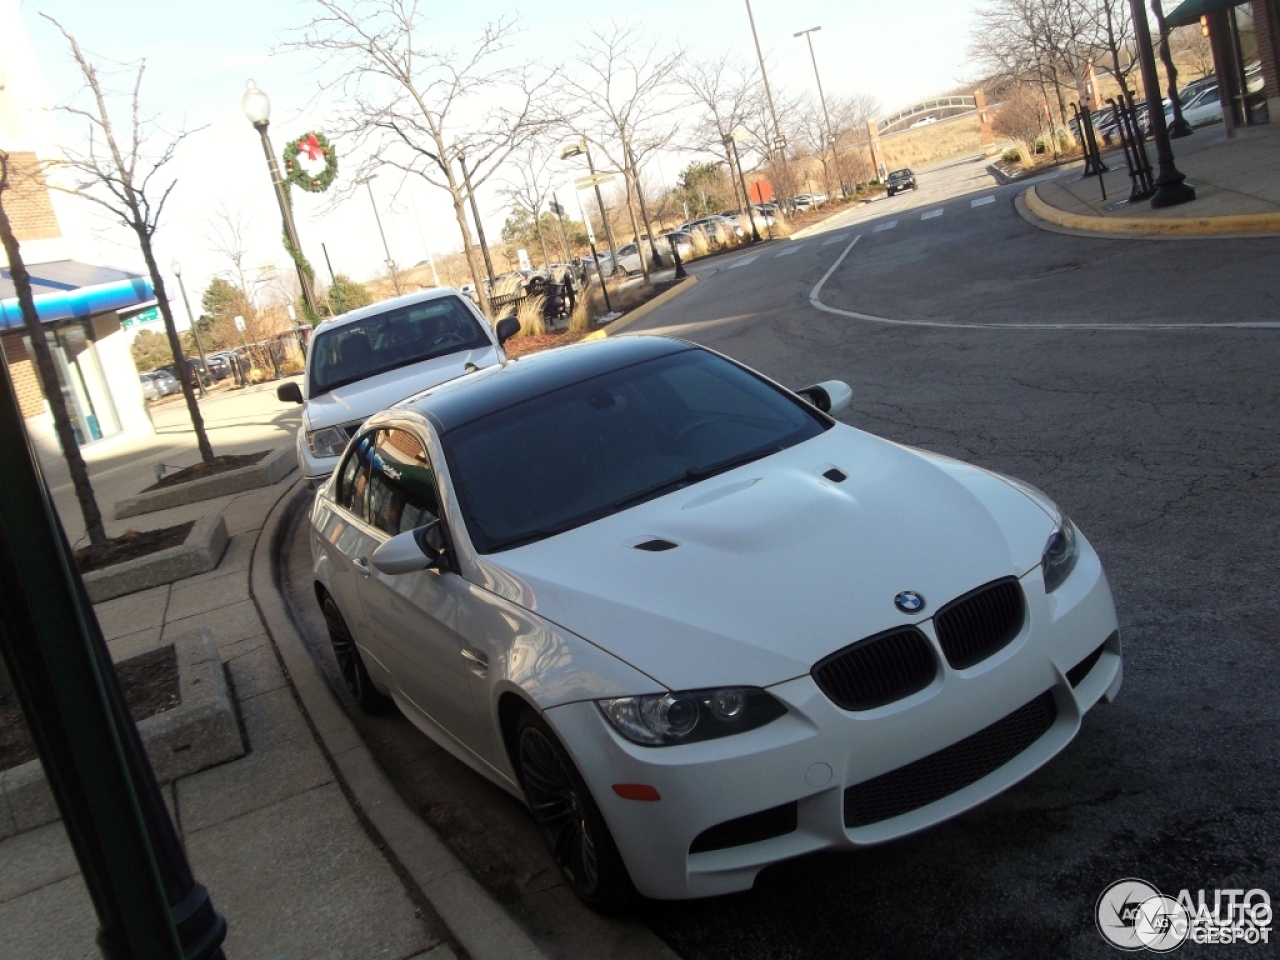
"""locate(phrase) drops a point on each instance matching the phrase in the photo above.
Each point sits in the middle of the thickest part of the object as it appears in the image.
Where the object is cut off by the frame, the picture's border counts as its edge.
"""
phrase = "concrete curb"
(639, 312)
(478, 922)
(1225, 227)
(199, 553)
(272, 468)
(201, 732)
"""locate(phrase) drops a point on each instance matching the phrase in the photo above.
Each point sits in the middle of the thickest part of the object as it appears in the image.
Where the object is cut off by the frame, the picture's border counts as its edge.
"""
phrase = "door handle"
(479, 662)
(362, 566)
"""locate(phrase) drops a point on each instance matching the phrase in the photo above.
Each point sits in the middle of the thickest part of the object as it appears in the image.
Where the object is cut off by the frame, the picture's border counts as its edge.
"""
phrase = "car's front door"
(415, 615)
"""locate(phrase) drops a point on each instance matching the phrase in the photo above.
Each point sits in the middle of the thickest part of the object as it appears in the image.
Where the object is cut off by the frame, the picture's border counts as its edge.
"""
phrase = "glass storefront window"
(88, 399)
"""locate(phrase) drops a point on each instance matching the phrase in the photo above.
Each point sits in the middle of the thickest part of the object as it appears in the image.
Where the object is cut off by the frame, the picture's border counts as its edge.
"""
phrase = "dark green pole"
(149, 907)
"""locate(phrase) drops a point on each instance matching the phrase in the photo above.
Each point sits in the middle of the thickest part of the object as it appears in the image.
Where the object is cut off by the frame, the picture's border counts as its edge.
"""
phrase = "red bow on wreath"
(311, 146)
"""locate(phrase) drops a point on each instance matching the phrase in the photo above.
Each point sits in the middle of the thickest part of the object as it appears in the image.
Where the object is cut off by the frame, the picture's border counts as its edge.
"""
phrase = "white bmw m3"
(695, 622)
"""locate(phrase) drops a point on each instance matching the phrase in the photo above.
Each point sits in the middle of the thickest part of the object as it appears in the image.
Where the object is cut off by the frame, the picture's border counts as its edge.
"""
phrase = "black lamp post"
(257, 107)
(176, 267)
(1171, 186)
(573, 150)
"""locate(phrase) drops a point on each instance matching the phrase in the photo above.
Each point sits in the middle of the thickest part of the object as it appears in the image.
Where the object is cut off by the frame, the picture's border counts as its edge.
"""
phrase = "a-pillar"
(986, 137)
(877, 151)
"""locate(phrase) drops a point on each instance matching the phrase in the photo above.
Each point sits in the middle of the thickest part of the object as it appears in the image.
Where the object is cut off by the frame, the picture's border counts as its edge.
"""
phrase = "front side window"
(386, 341)
(402, 485)
(592, 448)
(353, 481)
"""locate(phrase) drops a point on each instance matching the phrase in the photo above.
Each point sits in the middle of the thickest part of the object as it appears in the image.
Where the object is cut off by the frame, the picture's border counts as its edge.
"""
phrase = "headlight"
(663, 719)
(1060, 552)
(329, 442)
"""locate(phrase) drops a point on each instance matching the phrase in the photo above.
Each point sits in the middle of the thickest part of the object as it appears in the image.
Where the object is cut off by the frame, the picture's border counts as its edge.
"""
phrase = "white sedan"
(696, 623)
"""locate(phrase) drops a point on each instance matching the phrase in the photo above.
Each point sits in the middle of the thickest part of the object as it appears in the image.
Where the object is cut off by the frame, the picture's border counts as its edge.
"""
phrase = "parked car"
(696, 623)
(1202, 109)
(683, 243)
(899, 180)
(365, 360)
(158, 383)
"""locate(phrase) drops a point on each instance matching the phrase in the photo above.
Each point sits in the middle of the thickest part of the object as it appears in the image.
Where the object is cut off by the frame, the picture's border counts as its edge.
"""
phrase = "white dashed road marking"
(743, 262)
(931, 214)
(836, 239)
(981, 200)
(788, 251)
(885, 226)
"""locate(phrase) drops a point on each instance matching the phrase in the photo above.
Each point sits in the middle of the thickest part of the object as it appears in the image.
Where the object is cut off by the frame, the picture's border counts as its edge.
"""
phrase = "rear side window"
(353, 481)
(402, 484)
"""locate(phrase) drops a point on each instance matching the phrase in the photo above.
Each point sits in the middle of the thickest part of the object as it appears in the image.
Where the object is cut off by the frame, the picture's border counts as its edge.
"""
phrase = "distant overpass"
(943, 108)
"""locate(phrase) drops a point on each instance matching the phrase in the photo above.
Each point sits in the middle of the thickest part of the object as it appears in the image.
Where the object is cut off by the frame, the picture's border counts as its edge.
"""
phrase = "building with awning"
(1245, 38)
(83, 309)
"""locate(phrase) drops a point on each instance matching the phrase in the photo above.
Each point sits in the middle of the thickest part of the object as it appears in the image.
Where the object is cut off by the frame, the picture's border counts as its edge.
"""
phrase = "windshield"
(599, 446)
(397, 338)
(899, 174)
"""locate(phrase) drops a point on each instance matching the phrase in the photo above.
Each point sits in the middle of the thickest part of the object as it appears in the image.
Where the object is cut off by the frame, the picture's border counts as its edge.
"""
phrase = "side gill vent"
(836, 475)
(656, 545)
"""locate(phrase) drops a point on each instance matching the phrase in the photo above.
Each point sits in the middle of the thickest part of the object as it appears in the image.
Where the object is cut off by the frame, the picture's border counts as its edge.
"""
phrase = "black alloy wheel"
(354, 674)
(570, 821)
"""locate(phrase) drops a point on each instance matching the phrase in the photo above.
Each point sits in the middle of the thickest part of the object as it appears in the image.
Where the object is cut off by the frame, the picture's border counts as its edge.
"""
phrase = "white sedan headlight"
(327, 442)
(659, 720)
(1060, 553)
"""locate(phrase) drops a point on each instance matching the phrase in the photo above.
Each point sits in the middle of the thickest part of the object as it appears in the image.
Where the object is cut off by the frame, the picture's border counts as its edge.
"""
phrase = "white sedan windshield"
(593, 448)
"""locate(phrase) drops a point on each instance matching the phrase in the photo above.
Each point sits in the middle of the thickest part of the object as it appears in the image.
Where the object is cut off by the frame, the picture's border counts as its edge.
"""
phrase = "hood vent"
(657, 545)
(836, 475)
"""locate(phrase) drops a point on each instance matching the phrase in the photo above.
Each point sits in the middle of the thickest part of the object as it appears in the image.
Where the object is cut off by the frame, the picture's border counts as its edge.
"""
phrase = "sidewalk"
(292, 860)
(1237, 183)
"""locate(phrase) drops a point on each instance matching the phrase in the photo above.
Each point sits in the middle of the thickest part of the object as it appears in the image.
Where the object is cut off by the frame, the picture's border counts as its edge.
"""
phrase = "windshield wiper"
(693, 475)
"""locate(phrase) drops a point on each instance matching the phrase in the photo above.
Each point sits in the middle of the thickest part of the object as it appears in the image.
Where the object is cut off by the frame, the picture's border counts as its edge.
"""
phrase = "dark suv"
(900, 180)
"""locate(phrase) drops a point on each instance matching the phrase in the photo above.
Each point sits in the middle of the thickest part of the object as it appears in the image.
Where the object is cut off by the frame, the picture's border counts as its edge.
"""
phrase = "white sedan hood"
(360, 400)
(777, 566)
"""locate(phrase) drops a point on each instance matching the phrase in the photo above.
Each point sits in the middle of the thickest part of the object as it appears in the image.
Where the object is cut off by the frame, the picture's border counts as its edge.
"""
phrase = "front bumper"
(785, 783)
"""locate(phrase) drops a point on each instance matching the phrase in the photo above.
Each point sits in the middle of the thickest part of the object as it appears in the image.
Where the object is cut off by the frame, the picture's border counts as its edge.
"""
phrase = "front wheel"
(354, 674)
(570, 821)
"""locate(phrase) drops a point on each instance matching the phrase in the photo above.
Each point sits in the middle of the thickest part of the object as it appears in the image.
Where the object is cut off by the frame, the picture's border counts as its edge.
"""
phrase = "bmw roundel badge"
(908, 601)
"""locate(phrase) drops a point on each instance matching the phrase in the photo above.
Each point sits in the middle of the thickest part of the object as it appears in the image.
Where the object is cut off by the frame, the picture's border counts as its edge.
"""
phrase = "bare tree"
(417, 108)
(531, 186)
(725, 93)
(118, 173)
(47, 371)
(1190, 46)
(621, 82)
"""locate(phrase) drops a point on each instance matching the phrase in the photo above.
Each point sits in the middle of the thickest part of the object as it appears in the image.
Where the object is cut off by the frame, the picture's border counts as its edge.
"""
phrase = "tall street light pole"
(257, 107)
(475, 215)
(579, 148)
(176, 267)
(1171, 186)
(768, 95)
(391, 264)
(808, 35)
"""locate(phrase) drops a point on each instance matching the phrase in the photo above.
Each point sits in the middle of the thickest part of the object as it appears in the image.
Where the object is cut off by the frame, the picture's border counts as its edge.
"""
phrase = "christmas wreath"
(315, 146)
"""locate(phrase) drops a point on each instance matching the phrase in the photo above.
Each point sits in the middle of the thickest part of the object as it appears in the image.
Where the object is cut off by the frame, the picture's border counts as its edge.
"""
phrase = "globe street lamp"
(257, 107)
(176, 267)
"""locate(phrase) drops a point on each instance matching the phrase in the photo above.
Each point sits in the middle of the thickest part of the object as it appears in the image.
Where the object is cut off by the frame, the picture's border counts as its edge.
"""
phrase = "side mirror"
(411, 551)
(507, 328)
(289, 392)
(831, 396)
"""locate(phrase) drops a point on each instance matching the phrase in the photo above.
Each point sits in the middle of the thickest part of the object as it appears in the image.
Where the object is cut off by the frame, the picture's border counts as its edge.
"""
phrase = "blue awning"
(67, 289)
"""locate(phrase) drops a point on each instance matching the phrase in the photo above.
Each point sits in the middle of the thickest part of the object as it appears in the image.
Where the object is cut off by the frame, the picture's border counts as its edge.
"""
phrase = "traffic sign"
(240, 323)
(149, 315)
(593, 180)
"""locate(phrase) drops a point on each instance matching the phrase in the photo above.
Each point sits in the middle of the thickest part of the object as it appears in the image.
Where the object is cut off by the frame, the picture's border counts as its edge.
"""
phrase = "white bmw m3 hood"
(364, 398)
(775, 565)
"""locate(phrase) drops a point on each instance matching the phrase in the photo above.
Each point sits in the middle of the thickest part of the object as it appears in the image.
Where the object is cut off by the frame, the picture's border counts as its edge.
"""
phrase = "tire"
(354, 674)
(570, 822)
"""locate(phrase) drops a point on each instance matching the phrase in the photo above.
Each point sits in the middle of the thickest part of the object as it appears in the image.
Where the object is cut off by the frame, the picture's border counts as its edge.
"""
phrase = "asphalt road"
(1136, 383)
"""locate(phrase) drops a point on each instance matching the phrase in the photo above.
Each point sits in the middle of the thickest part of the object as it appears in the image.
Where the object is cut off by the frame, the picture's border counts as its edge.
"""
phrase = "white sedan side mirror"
(830, 396)
(410, 551)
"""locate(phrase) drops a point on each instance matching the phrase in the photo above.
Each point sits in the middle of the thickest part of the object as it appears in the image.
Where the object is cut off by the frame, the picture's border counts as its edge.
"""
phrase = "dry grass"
(937, 141)
(585, 309)
(529, 313)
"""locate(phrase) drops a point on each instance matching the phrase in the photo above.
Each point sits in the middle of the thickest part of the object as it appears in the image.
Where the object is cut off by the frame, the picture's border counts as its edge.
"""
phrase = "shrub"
(1011, 156)
(529, 313)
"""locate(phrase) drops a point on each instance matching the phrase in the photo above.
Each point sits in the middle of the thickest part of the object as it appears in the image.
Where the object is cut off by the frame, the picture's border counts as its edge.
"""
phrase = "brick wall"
(23, 373)
(1266, 20)
(27, 200)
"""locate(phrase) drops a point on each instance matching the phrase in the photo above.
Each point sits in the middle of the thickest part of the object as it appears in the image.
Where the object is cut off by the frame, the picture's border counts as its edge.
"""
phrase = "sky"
(198, 57)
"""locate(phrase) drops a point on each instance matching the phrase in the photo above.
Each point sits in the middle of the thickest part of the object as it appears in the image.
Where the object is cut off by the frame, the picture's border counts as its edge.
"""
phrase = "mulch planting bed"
(198, 471)
(130, 546)
(150, 684)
